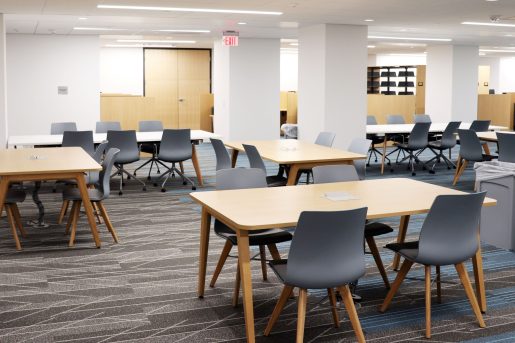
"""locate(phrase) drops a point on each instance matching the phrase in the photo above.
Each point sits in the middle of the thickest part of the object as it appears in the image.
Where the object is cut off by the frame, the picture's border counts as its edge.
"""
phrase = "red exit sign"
(230, 38)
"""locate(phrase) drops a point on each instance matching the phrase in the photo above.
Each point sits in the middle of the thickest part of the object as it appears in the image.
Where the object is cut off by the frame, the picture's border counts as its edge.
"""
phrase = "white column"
(246, 89)
(332, 82)
(451, 83)
(3, 84)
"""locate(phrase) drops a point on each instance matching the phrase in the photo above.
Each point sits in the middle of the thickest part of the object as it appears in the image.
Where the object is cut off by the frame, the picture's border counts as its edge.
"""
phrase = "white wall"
(121, 70)
(3, 85)
(507, 72)
(400, 59)
(289, 70)
(495, 72)
(36, 66)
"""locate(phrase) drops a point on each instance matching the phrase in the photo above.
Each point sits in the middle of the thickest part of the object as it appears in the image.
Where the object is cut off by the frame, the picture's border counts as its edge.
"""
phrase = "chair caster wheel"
(54, 190)
(424, 168)
(149, 178)
(123, 184)
(368, 164)
(413, 174)
(194, 188)
(120, 193)
(163, 190)
(448, 167)
(454, 167)
(391, 170)
(159, 172)
(431, 172)
(128, 177)
(389, 163)
(184, 183)
(144, 189)
(155, 184)
(376, 160)
(134, 173)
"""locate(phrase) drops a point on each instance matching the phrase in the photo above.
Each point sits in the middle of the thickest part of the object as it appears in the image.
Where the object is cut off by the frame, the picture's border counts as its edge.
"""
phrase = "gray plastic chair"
(360, 146)
(242, 178)
(506, 142)
(395, 119)
(256, 161)
(421, 118)
(127, 142)
(371, 120)
(470, 151)
(83, 139)
(376, 139)
(12, 198)
(150, 148)
(343, 173)
(480, 125)
(223, 160)
(59, 128)
(325, 253)
(104, 126)
(449, 236)
(399, 137)
(325, 139)
(447, 142)
(175, 148)
(96, 196)
(418, 140)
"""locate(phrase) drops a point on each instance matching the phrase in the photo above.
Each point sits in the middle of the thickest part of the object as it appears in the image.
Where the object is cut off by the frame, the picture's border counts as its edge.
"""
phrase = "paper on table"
(339, 196)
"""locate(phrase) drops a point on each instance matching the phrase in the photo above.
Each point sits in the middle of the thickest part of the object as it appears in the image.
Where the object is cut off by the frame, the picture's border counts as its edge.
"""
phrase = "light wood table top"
(491, 136)
(290, 151)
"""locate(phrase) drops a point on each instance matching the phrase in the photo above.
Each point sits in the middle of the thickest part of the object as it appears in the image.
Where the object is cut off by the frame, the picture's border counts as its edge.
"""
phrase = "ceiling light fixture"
(182, 31)
(412, 38)
(495, 50)
(186, 9)
(242, 23)
(477, 23)
(158, 41)
(369, 20)
(83, 18)
(97, 29)
(137, 46)
(294, 44)
(371, 46)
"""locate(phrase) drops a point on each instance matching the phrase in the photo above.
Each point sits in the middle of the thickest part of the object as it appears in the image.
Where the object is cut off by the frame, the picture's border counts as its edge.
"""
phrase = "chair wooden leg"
(301, 314)
(262, 256)
(406, 266)
(486, 148)
(460, 171)
(438, 285)
(334, 310)
(17, 219)
(107, 221)
(70, 218)
(274, 252)
(237, 285)
(428, 300)
(353, 315)
(96, 211)
(377, 258)
(75, 219)
(465, 281)
(285, 295)
(64, 209)
(12, 224)
(221, 262)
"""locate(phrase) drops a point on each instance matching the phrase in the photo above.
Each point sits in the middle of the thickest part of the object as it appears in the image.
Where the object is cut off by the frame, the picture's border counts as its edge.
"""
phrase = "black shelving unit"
(391, 80)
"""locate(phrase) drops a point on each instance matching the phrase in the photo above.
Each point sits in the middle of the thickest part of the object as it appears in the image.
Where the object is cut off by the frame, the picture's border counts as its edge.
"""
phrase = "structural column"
(3, 84)
(246, 87)
(451, 83)
(332, 82)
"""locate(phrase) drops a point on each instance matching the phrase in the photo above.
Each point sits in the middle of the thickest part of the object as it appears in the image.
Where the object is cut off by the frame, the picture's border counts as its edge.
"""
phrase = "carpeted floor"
(144, 289)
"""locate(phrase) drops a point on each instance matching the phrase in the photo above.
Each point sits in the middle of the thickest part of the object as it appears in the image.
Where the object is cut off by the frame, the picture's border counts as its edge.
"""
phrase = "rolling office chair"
(371, 120)
(418, 140)
(506, 143)
(150, 148)
(175, 148)
(324, 139)
(127, 143)
(59, 128)
(256, 161)
(447, 142)
(449, 236)
(360, 146)
(223, 160)
(481, 126)
(104, 126)
(421, 118)
(470, 151)
(243, 178)
(325, 253)
(12, 198)
(393, 119)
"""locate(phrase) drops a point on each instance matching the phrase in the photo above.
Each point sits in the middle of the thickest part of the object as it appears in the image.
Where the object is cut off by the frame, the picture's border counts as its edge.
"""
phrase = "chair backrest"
(418, 136)
(223, 161)
(104, 126)
(371, 120)
(127, 143)
(395, 119)
(240, 178)
(83, 139)
(360, 146)
(480, 126)
(470, 146)
(335, 173)
(506, 147)
(421, 118)
(59, 128)
(175, 145)
(450, 231)
(150, 126)
(327, 249)
(325, 139)
(99, 151)
(254, 157)
(449, 134)
(105, 174)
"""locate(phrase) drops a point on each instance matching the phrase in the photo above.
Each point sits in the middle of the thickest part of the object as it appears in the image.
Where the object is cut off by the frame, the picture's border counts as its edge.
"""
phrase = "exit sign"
(230, 38)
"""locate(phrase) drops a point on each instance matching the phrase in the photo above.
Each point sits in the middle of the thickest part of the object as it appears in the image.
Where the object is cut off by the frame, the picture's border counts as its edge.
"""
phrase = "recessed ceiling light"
(412, 38)
(371, 46)
(508, 35)
(242, 23)
(487, 24)
(496, 50)
(83, 18)
(482, 54)
(137, 46)
(182, 31)
(156, 41)
(369, 20)
(491, 0)
(97, 29)
(294, 44)
(185, 9)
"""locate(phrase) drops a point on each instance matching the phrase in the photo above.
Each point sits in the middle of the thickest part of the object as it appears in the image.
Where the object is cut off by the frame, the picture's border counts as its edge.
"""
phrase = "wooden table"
(297, 154)
(491, 136)
(18, 165)
(252, 209)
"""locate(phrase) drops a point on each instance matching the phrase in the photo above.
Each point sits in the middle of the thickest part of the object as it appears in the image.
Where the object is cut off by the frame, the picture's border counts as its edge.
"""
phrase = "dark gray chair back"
(506, 147)
(240, 178)
(470, 146)
(450, 231)
(223, 161)
(254, 157)
(449, 134)
(104, 126)
(150, 126)
(395, 119)
(480, 126)
(418, 137)
(335, 173)
(360, 146)
(99, 151)
(105, 174)
(59, 128)
(127, 143)
(83, 139)
(325, 139)
(175, 145)
(421, 118)
(327, 249)
(371, 120)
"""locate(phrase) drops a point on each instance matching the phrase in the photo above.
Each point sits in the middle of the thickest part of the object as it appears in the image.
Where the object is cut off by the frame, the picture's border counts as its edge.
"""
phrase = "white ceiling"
(411, 18)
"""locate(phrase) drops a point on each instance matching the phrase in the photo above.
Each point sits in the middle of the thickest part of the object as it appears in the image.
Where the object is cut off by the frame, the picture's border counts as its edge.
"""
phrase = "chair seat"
(276, 181)
(377, 229)
(73, 194)
(406, 249)
(14, 196)
(405, 146)
(259, 237)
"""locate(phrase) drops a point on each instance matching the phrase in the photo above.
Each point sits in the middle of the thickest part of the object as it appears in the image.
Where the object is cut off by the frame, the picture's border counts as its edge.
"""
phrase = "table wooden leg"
(477, 263)
(205, 226)
(246, 283)
(383, 158)
(81, 183)
(403, 228)
(234, 157)
(194, 159)
(292, 175)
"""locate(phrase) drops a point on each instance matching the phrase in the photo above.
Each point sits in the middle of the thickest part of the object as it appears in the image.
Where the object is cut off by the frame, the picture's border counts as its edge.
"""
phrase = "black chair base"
(120, 171)
(439, 156)
(171, 172)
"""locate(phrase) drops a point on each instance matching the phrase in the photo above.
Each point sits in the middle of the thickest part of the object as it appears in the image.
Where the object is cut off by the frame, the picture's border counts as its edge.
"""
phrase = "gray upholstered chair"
(395, 119)
(127, 143)
(447, 142)
(506, 143)
(325, 253)
(376, 139)
(343, 173)
(150, 148)
(96, 196)
(470, 151)
(480, 125)
(223, 160)
(12, 198)
(325, 139)
(104, 126)
(360, 146)
(256, 161)
(421, 118)
(245, 178)
(175, 148)
(449, 236)
(418, 140)
(59, 128)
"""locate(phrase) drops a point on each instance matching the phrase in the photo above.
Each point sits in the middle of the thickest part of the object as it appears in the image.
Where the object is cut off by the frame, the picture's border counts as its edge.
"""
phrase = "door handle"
(181, 100)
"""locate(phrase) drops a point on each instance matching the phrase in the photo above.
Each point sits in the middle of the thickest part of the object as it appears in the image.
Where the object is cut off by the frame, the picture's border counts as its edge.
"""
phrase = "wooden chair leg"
(70, 219)
(237, 285)
(12, 224)
(353, 315)
(285, 295)
(17, 218)
(221, 262)
(107, 221)
(334, 310)
(64, 209)
(274, 252)
(406, 266)
(465, 281)
(377, 258)
(438, 285)
(460, 171)
(262, 256)
(301, 314)
(428, 300)
(96, 211)
(75, 219)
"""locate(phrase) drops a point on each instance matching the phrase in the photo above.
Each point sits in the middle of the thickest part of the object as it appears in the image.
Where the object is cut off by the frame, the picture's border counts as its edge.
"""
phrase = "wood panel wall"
(129, 110)
(380, 106)
(499, 108)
